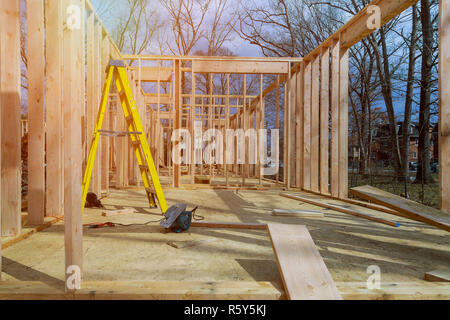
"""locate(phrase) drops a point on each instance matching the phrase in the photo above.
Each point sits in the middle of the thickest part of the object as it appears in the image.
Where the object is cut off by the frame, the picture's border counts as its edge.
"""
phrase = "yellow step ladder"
(117, 72)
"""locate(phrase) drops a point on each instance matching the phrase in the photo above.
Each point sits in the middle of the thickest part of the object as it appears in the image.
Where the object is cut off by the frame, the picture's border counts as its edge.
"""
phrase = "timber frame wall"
(66, 70)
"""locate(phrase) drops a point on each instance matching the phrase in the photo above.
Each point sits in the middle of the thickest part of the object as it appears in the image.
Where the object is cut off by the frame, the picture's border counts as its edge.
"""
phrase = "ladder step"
(150, 190)
(129, 119)
(117, 133)
(136, 143)
(144, 167)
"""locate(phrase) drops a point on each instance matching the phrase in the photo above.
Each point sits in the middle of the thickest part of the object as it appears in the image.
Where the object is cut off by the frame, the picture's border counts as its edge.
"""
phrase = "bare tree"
(186, 18)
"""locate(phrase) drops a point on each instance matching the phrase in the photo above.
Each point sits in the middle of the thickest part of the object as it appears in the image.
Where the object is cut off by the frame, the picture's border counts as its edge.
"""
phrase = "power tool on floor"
(178, 219)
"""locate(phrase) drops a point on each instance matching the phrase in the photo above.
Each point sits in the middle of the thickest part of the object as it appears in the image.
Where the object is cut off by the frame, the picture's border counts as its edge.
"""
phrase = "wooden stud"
(444, 105)
(292, 132)
(335, 51)
(36, 119)
(96, 92)
(343, 123)
(72, 79)
(299, 130)
(178, 117)
(192, 125)
(227, 124)
(307, 127)
(278, 118)
(286, 175)
(324, 120)
(54, 174)
(315, 123)
(105, 144)
(10, 114)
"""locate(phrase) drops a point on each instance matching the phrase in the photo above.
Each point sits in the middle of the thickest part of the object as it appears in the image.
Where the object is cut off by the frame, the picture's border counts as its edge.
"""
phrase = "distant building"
(382, 148)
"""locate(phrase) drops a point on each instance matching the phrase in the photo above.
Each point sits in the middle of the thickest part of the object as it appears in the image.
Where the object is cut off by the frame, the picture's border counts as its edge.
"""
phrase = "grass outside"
(429, 196)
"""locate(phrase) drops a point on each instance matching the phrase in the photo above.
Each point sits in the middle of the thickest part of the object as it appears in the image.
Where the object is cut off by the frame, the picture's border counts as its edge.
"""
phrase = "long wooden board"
(297, 213)
(304, 273)
(413, 210)
(198, 290)
(240, 67)
(355, 213)
(150, 290)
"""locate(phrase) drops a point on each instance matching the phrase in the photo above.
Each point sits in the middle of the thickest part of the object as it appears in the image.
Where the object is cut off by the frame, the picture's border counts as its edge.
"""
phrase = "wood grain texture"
(343, 123)
(338, 208)
(11, 126)
(36, 119)
(298, 213)
(304, 273)
(54, 173)
(324, 121)
(73, 79)
(307, 127)
(334, 141)
(411, 209)
(444, 105)
(315, 124)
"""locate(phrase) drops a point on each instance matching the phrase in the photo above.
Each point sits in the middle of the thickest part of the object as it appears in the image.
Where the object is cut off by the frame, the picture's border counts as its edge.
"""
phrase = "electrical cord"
(195, 217)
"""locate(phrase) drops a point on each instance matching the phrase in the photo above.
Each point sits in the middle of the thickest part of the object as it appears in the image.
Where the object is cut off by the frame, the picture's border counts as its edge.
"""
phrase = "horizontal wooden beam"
(153, 99)
(240, 67)
(210, 58)
(150, 74)
(198, 290)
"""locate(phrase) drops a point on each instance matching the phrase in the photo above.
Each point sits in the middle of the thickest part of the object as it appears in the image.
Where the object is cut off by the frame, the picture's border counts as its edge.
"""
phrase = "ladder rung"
(150, 190)
(129, 119)
(136, 143)
(117, 133)
(144, 167)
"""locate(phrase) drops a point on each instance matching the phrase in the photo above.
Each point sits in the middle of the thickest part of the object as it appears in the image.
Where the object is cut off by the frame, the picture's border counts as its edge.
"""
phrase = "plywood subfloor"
(348, 245)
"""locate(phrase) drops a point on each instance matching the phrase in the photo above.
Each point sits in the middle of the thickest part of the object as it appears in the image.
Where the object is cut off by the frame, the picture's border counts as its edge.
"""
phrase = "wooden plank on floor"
(304, 273)
(298, 213)
(395, 291)
(11, 203)
(36, 119)
(413, 210)
(438, 276)
(54, 173)
(356, 213)
(224, 290)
